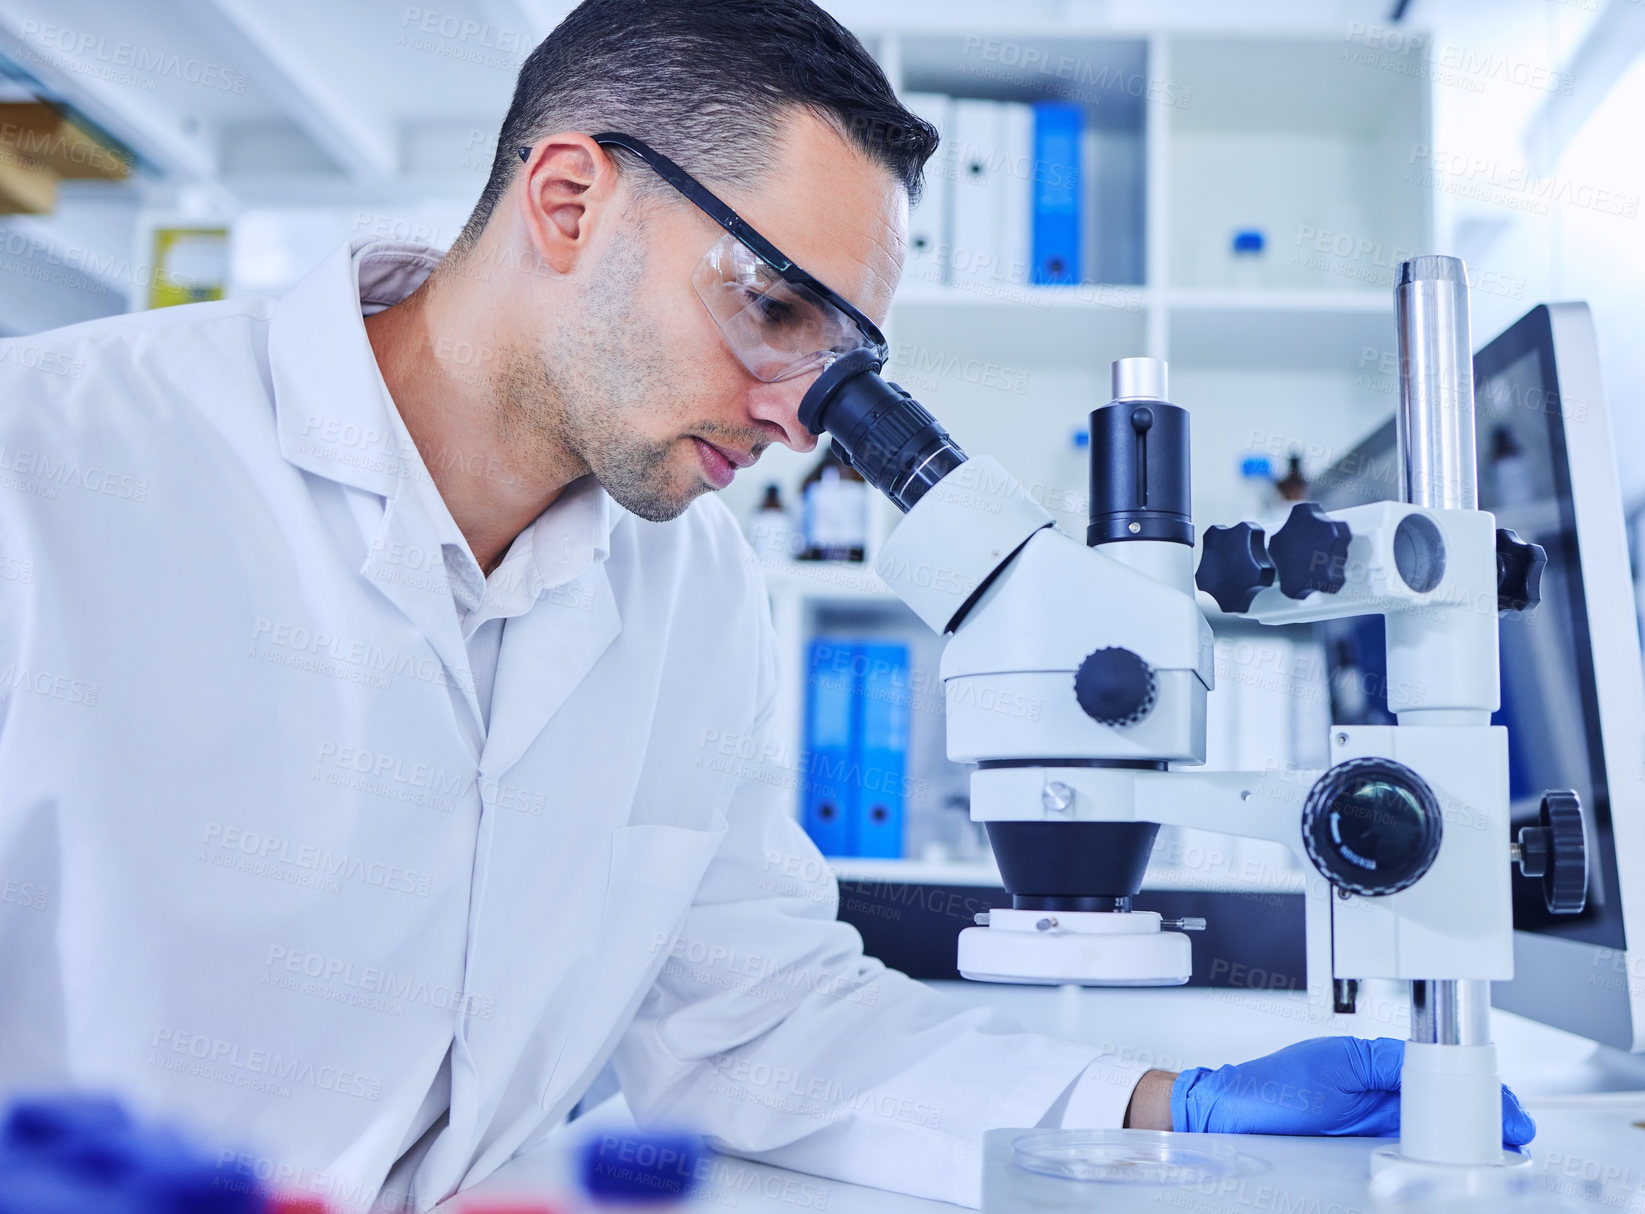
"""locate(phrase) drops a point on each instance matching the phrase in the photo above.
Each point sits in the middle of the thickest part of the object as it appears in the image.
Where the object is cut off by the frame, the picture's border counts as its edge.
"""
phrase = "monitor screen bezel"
(1589, 988)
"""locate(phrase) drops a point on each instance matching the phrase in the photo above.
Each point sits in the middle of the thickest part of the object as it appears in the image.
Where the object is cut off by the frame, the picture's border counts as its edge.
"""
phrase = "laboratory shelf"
(1085, 296)
(1282, 299)
(827, 582)
(951, 335)
(915, 872)
(1107, 72)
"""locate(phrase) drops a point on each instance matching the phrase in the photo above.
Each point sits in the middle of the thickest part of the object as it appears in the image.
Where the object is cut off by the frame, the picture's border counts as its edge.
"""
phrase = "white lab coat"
(262, 868)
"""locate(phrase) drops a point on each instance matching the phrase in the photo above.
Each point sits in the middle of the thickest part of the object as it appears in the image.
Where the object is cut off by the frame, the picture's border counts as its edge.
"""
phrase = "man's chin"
(654, 507)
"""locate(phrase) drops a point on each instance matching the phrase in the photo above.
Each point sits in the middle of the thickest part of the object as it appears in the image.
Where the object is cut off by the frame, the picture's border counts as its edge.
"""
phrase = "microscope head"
(1062, 653)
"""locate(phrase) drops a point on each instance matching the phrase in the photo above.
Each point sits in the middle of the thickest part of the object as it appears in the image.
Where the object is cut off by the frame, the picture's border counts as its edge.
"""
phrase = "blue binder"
(1057, 191)
(829, 789)
(882, 745)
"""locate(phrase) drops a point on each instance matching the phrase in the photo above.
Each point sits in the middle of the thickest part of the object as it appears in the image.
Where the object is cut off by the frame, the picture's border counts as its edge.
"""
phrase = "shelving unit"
(1289, 135)
(917, 872)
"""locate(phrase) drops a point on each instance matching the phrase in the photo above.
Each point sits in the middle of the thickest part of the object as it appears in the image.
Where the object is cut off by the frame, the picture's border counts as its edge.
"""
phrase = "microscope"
(1407, 829)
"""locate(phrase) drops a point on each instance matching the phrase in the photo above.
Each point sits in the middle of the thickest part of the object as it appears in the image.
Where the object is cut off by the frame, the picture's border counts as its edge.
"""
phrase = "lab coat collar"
(329, 396)
(336, 420)
(565, 540)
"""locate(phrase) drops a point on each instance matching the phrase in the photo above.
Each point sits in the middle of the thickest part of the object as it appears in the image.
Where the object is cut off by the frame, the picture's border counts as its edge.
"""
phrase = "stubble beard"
(585, 408)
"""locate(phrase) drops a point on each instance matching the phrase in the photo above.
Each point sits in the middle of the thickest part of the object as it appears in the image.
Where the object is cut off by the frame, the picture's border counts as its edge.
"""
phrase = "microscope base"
(1085, 948)
(1396, 1177)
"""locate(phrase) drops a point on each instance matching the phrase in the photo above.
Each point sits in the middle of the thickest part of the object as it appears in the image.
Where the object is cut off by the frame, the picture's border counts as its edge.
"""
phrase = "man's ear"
(565, 186)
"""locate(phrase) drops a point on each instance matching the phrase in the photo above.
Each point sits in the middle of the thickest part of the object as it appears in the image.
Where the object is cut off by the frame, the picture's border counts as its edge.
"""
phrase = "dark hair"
(707, 83)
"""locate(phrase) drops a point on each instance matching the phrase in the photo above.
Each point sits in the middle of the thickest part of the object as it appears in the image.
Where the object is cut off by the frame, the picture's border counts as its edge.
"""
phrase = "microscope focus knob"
(1310, 552)
(1115, 686)
(1519, 566)
(1372, 826)
(1234, 565)
(1557, 851)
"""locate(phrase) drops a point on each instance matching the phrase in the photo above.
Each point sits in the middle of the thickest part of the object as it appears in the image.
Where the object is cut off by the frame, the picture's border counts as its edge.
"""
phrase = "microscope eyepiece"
(881, 430)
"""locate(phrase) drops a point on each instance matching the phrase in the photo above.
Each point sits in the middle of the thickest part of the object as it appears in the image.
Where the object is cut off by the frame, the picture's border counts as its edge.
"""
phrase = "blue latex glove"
(1330, 1085)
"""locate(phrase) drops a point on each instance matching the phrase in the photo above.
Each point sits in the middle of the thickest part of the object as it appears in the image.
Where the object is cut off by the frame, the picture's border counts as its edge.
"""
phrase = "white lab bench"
(1588, 1100)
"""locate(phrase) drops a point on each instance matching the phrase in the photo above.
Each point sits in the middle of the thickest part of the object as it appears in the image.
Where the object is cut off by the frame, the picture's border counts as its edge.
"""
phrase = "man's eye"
(770, 309)
(776, 311)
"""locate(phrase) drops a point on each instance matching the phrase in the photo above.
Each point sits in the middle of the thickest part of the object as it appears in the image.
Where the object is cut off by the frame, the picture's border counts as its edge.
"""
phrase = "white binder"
(1016, 191)
(994, 143)
(930, 220)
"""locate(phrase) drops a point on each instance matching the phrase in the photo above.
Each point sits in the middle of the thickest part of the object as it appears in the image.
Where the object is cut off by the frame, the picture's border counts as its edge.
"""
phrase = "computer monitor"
(1573, 697)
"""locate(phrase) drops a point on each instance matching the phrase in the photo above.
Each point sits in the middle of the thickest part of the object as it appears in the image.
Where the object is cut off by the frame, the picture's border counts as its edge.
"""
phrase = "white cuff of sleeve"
(1100, 1096)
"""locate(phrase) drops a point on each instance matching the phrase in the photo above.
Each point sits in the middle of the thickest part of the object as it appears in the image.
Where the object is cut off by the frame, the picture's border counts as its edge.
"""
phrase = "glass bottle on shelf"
(771, 530)
(1293, 486)
(835, 509)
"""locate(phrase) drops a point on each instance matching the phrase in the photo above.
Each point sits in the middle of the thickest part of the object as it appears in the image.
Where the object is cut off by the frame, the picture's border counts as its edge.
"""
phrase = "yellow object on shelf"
(190, 266)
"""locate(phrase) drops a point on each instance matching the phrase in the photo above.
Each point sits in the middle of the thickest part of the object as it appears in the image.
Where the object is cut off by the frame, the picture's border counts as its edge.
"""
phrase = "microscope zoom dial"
(1371, 826)
(1115, 686)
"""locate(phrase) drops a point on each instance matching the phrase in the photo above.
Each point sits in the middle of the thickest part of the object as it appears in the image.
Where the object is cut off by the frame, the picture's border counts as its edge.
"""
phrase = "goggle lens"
(777, 329)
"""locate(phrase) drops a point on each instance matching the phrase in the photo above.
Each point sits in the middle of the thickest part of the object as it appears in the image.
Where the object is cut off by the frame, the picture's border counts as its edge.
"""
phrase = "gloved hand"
(1330, 1085)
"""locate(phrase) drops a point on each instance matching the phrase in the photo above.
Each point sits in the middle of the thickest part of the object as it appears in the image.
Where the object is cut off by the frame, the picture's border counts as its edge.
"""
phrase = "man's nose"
(779, 404)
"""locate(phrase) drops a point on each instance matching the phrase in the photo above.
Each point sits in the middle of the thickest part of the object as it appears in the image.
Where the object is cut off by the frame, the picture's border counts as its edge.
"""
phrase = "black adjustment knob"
(1371, 826)
(1310, 552)
(1519, 566)
(1234, 565)
(1557, 851)
(1115, 686)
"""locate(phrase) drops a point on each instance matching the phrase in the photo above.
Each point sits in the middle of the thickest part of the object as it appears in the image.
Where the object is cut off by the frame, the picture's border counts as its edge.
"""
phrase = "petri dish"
(1125, 1156)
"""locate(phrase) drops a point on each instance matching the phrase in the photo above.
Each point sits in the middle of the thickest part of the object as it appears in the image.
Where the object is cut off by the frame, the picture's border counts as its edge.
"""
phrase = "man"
(369, 651)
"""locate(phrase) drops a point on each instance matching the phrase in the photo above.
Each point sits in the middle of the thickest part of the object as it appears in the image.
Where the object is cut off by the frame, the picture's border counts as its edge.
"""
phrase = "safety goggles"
(779, 321)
